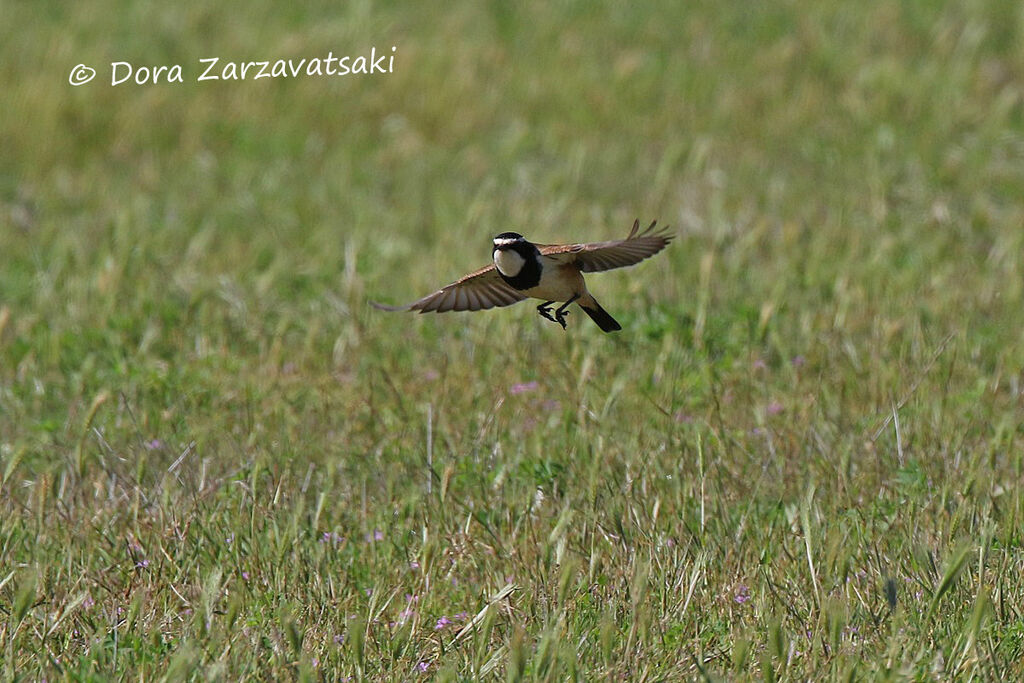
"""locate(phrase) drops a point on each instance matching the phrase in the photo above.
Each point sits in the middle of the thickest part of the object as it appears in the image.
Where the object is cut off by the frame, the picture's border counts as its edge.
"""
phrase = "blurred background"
(884, 140)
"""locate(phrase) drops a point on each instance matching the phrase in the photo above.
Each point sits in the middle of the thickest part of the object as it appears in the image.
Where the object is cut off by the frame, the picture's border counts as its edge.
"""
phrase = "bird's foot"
(562, 312)
(545, 311)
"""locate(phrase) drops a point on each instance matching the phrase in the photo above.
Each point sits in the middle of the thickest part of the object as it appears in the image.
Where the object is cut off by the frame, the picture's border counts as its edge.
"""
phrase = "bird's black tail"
(600, 316)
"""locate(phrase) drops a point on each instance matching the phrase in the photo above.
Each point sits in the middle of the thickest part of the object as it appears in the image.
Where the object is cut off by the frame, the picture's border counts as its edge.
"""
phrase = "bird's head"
(508, 240)
(510, 251)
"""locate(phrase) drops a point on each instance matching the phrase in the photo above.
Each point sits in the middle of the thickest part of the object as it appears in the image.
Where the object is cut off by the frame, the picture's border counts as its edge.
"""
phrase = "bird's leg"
(561, 312)
(545, 310)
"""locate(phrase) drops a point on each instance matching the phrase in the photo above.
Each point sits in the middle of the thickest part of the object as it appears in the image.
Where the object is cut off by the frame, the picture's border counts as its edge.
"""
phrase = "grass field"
(801, 459)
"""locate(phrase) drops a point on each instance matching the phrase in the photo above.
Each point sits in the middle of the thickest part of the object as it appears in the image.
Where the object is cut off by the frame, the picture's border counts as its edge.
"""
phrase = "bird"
(552, 273)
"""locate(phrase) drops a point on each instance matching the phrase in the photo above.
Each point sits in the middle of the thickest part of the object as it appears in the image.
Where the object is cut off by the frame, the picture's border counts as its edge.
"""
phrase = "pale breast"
(558, 283)
(508, 262)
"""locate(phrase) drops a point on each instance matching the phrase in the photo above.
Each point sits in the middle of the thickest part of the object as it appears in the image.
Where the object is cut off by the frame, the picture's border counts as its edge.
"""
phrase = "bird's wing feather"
(478, 291)
(597, 256)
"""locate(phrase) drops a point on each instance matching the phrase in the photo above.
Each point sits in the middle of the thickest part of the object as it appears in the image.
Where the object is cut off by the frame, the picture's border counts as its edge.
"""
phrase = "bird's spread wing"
(478, 291)
(597, 256)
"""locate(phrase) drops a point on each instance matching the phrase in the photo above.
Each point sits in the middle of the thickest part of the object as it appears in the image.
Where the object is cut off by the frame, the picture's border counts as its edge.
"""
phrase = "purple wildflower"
(441, 623)
(742, 594)
(332, 537)
(423, 666)
(774, 408)
(523, 387)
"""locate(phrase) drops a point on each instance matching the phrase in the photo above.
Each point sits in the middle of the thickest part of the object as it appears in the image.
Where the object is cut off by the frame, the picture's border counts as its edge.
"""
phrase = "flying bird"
(552, 273)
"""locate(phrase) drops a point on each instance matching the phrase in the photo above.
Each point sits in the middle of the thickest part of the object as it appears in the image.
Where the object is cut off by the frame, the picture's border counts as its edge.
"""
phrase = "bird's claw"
(545, 312)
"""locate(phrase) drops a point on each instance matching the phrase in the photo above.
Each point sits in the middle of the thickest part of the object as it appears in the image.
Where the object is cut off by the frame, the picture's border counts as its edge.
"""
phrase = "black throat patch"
(529, 274)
